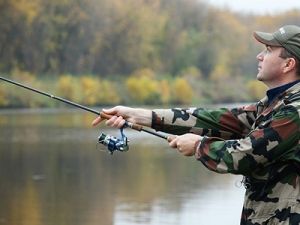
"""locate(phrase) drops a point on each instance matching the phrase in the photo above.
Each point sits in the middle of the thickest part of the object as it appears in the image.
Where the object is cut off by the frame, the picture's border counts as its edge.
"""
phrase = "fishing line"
(112, 143)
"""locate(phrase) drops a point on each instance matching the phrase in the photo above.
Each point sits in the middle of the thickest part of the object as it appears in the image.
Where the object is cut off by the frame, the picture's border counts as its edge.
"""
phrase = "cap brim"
(266, 38)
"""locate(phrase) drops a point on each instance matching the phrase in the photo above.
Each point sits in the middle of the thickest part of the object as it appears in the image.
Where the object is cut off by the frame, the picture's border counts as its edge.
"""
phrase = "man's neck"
(280, 82)
(274, 92)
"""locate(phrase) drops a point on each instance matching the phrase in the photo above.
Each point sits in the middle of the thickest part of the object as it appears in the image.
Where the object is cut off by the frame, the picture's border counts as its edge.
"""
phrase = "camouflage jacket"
(259, 141)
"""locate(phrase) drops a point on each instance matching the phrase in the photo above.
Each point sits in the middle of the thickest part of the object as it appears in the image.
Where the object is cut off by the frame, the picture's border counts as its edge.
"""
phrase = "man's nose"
(260, 56)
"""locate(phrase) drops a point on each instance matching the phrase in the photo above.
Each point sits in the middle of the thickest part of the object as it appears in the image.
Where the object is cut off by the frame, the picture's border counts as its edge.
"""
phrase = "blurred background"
(100, 53)
(158, 52)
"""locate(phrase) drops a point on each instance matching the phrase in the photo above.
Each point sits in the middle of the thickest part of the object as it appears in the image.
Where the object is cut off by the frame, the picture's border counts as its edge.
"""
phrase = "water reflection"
(52, 172)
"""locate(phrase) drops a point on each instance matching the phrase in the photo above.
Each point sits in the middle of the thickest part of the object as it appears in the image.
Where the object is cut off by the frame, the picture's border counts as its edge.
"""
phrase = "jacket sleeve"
(274, 139)
(224, 123)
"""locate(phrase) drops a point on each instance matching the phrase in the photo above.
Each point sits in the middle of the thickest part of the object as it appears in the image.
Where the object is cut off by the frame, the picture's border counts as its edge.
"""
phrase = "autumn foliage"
(131, 51)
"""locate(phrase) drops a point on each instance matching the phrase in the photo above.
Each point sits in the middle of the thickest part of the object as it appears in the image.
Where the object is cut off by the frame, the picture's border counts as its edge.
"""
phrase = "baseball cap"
(287, 37)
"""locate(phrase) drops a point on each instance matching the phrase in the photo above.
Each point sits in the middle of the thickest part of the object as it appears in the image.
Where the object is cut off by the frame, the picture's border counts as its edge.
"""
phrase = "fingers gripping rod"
(101, 114)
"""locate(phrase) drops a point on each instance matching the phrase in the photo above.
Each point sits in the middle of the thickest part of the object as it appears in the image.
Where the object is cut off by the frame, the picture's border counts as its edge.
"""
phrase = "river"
(53, 172)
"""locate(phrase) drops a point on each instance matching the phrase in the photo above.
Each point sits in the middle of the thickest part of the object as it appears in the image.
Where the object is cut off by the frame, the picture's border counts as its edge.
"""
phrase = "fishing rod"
(113, 143)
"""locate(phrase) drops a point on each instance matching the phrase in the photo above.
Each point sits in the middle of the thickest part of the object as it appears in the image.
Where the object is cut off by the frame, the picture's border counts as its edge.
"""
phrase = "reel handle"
(128, 124)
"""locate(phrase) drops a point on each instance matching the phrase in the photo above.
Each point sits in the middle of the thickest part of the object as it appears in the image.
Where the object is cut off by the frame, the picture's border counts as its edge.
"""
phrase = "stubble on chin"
(259, 77)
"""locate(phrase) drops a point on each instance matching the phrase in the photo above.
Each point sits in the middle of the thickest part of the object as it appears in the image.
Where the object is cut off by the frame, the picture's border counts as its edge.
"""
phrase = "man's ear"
(290, 64)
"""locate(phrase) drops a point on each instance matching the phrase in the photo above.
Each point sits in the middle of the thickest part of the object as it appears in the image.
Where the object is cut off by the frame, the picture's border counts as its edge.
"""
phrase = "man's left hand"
(186, 144)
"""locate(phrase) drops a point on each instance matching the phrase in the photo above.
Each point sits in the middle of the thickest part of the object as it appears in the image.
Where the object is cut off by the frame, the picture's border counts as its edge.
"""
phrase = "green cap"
(287, 37)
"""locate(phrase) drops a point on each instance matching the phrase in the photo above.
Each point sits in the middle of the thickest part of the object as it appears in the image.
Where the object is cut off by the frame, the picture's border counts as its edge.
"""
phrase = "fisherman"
(259, 141)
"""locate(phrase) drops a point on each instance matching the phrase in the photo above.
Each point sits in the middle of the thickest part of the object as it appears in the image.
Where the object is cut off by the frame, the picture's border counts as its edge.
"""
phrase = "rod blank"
(103, 115)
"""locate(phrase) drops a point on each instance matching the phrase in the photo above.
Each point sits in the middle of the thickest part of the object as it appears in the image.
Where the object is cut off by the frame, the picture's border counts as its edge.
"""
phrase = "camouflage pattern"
(259, 141)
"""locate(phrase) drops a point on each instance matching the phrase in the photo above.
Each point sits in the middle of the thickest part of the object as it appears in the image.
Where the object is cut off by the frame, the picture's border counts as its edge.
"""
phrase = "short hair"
(286, 54)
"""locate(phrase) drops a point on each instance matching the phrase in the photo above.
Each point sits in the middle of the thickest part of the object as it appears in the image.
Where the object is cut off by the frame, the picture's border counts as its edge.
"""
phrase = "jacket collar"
(284, 95)
(275, 92)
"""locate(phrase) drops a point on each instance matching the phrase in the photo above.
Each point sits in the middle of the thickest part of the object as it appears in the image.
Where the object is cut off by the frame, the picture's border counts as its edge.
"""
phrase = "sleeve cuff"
(157, 122)
(200, 146)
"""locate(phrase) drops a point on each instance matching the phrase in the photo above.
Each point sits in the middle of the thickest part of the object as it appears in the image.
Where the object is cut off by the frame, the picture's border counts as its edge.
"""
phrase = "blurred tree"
(182, 92)
(183, 34)
(95, 91)
(165, 92)
(256, 89)
(116, 37)
(143, 88)
(16, 18)
(132, 36)
(66, 87)
(3, 97)
(90, 90)
(108, 93)
(63, 36)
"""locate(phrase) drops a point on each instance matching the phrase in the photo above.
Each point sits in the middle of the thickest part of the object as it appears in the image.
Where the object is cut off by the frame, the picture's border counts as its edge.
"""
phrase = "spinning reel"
(113, 143)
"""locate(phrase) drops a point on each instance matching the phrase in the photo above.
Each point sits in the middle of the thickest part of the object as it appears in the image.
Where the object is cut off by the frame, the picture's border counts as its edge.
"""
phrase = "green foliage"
(220, 72)
(119, 37)
(108, 93)
(256, 89)
(98, 92)
(90, 89)
(52, 45)
(23, 76)
(196, 80)
(66, 87)
(165, 92)
(131, 37)
(19, 97)
(182, 92)
(191, 73)
(3, 97)
(142, 87)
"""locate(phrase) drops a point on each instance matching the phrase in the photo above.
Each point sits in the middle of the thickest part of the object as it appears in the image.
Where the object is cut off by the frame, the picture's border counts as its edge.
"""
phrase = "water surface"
(52, 172)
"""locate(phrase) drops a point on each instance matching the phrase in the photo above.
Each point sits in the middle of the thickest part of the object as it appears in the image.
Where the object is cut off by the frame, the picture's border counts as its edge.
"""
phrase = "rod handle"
(129, 124)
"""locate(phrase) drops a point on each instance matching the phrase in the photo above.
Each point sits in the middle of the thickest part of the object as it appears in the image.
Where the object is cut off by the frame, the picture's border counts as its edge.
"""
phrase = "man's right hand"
(121, 114)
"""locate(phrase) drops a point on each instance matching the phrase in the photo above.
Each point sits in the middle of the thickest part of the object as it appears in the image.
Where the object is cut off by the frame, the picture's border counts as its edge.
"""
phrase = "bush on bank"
(143, 87)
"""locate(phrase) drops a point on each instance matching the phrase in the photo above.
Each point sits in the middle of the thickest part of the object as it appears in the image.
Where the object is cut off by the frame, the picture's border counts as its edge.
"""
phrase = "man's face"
(270, 66)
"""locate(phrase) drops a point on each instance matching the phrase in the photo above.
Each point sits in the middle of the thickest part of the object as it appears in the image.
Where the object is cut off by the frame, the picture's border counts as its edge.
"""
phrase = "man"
(259, 141)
